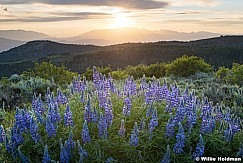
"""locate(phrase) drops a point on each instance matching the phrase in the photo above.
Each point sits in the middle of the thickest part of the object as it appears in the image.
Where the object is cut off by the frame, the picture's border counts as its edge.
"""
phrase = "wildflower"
(127, 106)
(68, 121)
(199, 149)
(94, 115)
(70, 141)
(64, 154)
(166, 158)
(134, 137)
(154, 120)
(109, 160)
(34, 131)
(122, 129)
(50, 128)
(142, 124)
(228, 135)
(102, 126)
(180, 140)
(23, 158)
(88, 112)
(170, 127)
(148, 113)
(85, 133)
(240, 152)
(2, 134)
(46, 157)
(83, 154)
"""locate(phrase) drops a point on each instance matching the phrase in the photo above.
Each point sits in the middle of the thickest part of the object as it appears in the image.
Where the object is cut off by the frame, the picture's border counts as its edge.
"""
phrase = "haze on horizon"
(62, 18)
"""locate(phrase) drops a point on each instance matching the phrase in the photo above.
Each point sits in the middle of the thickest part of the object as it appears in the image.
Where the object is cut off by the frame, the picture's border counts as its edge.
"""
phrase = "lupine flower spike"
(166, 158)
(46, 157)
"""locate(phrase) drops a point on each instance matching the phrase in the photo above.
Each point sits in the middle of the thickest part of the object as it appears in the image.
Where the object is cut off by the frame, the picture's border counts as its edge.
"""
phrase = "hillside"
(220, 51)
(6, 44)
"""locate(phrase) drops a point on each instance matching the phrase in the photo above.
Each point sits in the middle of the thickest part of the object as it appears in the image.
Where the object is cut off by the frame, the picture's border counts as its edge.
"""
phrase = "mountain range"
(101, 37)
(218, 51)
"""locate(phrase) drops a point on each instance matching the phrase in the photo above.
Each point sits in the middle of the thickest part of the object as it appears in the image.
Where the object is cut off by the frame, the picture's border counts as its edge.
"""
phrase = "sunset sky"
(71, 17)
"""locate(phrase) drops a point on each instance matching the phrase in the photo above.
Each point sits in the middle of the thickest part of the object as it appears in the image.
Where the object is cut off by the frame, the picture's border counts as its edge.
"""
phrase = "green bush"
(186, 66)
(231, 76)
(49, 71)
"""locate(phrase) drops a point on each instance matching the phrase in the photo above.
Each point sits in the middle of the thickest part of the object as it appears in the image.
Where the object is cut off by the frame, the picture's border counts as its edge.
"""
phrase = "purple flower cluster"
(96, 78)
(199, 149)
(68, 121)
(78, 85)
(122, 129)
(180, 140)
(166, 158)
(83, 154)
(2, 134)
(102, 126)
(34, 130)
(85, 133)
(127, 106)
(134, 137)
(170, 127)
(46, 157)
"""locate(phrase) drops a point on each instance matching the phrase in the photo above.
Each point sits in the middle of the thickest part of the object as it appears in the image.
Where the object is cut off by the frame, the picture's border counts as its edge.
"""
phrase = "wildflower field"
(108, 120)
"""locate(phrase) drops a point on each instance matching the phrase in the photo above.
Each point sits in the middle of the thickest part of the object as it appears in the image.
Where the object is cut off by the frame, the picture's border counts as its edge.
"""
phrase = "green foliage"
(49, 71)
(186, 66)
(14, 92)
(231, 76)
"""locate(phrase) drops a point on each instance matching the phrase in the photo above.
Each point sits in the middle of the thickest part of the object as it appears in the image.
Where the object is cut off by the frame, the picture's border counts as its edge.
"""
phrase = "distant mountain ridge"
(23, 35)
(219, 51)
(6, 44)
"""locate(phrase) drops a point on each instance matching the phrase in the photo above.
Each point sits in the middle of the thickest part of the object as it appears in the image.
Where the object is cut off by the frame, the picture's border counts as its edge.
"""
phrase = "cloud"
(59, 16)
(129, 4)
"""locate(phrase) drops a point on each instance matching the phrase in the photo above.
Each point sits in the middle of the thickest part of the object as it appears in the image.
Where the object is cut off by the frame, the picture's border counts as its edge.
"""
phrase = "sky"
(63, 18)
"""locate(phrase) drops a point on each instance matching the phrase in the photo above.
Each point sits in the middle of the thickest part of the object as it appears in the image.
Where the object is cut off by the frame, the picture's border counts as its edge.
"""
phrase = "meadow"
(146, 119)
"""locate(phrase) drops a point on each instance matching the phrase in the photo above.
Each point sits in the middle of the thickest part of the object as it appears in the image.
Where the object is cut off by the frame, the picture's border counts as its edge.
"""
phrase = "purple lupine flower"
(143, 84)
(122, 129)
(68, 121)
(65, 154)
(16, 136)
(179, 113)
(70, 142)
(192, 117)
(39, 118)
(102, 126)
(40, 106)
(88, 112)
(127, 106)
(166, 158)
(96, 78)
(134, 137)
(149, 94)
(57, 114)
(2, 134)
(82, 99)
(180, 140)
(240, 152)
(50, 128)
(85, 133)
(34, 131)
(20, 120)
(108, 112)
(208, 124)
(83, 154)
(142, 124)
(154, 121)
(170, 127)
(94, 115)
(46, 156)
(228, 135)
(199, 149)
(149, 112)
(24, 159)
(109, 160)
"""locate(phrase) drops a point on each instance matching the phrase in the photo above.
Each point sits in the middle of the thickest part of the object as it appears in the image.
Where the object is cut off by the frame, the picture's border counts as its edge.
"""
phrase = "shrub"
(49, 71)
(186, 66)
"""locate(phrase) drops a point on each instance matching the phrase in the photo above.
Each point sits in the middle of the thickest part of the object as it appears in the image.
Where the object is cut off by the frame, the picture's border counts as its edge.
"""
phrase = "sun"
(120, 21)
